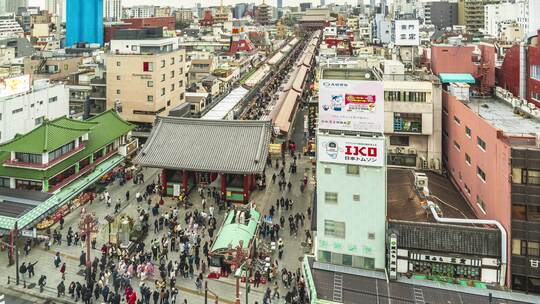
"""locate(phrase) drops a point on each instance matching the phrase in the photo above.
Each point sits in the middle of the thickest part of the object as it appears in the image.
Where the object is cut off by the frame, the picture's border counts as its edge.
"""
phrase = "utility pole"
(14, 240)
(87, 226)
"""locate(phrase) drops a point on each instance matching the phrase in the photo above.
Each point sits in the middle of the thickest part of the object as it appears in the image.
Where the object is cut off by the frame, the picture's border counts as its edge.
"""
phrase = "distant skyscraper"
(279, 4)
(323, 3)
(112, 10)
(84, 22)
(56, 8)
(11, 6)
(383, 7)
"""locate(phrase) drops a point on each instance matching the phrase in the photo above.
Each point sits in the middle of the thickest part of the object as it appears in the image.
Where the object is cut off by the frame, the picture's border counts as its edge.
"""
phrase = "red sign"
(361, 151)
(359, 99)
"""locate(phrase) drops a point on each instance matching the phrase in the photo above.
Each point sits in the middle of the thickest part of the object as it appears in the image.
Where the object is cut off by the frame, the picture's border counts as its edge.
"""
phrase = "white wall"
(34, 105)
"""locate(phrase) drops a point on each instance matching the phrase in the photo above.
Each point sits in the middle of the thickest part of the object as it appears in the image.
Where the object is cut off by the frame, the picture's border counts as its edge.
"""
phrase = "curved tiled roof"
(225, 146)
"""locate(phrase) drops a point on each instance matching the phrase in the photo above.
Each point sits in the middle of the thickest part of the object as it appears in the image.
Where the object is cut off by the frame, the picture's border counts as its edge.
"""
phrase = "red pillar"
(246, 188)
(164, 181)
(223, 185)
(253, 181)
(184, 181)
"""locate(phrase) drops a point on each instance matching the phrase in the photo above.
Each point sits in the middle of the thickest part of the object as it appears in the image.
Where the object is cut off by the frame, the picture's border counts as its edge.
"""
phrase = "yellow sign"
(274, 148)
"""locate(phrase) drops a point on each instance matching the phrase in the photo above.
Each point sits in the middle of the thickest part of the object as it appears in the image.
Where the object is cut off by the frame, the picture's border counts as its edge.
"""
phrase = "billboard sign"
(351, 105)
(407, 33)
(351, 150)
(14, 85)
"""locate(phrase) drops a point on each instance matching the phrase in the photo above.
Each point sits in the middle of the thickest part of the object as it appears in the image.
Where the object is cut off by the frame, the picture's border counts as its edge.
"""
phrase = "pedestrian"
(63, 270)
(30, 269)
(61, 289)
(22, 269)
(127, 196)
(42, 282)
(82, 259)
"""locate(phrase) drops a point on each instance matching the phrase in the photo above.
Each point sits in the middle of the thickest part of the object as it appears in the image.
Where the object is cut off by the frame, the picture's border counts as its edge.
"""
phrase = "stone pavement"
(225, 288)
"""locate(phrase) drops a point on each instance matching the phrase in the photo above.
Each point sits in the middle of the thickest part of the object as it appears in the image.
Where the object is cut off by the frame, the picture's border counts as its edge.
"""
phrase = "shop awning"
(286, 113)
(457, 77)
(230, 234)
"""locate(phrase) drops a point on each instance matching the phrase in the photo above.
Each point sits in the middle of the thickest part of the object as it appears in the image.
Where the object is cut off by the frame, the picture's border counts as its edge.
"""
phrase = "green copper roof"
(106, 127)
(48, 136)
(232, 234)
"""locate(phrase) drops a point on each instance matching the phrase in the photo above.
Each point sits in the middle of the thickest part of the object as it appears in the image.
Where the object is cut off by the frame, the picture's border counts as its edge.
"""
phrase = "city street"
(224, 287)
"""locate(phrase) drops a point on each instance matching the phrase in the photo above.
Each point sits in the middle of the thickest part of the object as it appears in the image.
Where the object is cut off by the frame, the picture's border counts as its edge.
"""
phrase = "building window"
(405, 96)
(353, 169)
(481, 143)
(28, 158)
(118, 63)
(535, 72)
(17, 111)
(181, 83)
(468, 131)
(163, 63)
(533, 213)
(38, 121)
(481, 173)
(61, 151)
(371, 236)
(172, 74)
(182, 96)
(117, 77)
(4, 182)
(148, 66)
(457, 146)
(325, 256)
(456, 120)
(331, 197)
(532, 177)
(533, 248)
(519, 212)
(150, 83)
(162, 77)
(172, 87)
(535, 96)
(467, 159)
(117, 91)
(467, 190)
(172, 60)
(53, 99)
(327, 171)
(168, 103)
(408, 122)
(516, 247)
(334, 229)
(480, 202)
(356, 197)
(399, 140)
(162, 91)
(181, 58)
(150, 98)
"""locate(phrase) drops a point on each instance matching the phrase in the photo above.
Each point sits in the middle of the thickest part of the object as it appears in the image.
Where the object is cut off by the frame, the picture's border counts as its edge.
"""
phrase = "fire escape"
(483, 74)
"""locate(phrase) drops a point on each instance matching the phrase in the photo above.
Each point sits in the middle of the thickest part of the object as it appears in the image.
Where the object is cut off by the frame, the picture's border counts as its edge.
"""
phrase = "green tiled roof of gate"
(48, 136)
(107, 126)
(232, 233)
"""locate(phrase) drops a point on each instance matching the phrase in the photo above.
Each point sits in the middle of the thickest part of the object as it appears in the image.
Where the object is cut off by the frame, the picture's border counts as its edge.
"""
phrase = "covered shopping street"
(227, 155)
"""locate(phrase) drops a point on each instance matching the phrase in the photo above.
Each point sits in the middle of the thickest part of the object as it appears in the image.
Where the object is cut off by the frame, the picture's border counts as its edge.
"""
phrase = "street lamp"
(87, 226)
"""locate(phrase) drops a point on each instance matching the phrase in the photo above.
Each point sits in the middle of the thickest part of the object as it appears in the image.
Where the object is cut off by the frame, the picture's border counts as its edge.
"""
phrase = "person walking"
(61, 289)
(22, 269)
(63, 270)
(30, 269)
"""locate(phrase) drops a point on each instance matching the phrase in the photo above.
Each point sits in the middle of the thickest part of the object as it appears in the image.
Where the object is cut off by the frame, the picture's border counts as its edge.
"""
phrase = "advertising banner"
(14, 85)
(352, 151)
(351, 105)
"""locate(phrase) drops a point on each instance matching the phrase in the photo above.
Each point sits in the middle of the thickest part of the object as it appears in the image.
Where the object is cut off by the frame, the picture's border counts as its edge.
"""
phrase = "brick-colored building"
(167, 23)
(509, 73)
(494, 161)
(476, 59)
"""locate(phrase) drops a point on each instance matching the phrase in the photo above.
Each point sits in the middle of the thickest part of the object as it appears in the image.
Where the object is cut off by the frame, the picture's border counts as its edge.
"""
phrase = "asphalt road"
(14, 300)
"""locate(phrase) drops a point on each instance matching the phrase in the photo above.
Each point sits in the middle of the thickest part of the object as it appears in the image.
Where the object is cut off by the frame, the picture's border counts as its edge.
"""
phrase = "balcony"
(19, 164)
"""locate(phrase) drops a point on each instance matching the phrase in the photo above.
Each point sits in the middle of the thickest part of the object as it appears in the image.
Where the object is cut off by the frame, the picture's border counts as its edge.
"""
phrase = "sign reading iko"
(351, 105)
(354, 151)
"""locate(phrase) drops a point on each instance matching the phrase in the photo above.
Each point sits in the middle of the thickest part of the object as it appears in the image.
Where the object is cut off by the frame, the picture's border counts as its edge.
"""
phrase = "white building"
(9, 27)
(112, 10)
(22, 112)
(58, 9)
(497, 14)
(140, 11)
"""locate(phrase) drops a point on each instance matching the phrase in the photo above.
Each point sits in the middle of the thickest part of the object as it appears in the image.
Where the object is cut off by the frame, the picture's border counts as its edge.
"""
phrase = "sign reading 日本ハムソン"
(351, 105)
(354, 151)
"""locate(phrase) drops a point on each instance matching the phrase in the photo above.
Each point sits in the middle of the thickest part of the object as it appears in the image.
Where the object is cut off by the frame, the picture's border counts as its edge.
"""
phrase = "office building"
(112, 10)
(154, 65)
(23, 107)
(12, 6)
(9, 27)
(84, 22)
(351, 172)
(57, 8)
(441, 14)
(471, 13)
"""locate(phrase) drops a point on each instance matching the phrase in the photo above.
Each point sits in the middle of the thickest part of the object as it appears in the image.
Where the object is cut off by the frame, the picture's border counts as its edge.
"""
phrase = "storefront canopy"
(230, 234)
(456, 77)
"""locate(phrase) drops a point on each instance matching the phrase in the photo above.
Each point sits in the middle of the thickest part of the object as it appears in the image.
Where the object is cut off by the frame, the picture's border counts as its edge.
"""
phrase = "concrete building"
(11, 6)
(27, 108)
(58, 9)
(412, 109)
(163, 11)
(154, 65)
(84, 22)
(202, 64)
(9, 27)
(184, 15)
(520, 71)
(140, 11)
(56, 68)
(472, 13)
(350, 219)
(490, 152)
(496, 15)
(441, 14)
(112, 10)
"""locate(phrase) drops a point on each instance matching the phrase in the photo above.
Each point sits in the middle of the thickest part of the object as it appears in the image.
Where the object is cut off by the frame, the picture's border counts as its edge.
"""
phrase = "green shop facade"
(62, 157)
